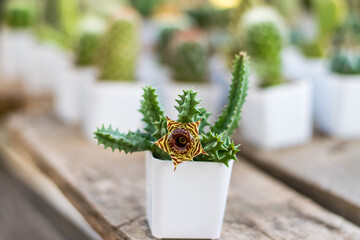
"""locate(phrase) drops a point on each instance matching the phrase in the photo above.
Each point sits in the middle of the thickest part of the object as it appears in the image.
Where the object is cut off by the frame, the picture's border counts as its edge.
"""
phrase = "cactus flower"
(182, 142)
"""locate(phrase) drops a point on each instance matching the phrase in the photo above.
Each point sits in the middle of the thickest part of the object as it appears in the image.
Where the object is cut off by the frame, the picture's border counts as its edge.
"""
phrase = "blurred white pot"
(69, 92)
(209, 94)
(337, 111)
(189, 202)
(45, 68)
(279, 116)
(16, 47)
(111, 102)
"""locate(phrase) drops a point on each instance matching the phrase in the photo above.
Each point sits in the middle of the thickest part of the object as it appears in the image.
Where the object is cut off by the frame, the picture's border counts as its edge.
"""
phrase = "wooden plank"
(327, 170)
(24, 215)
(11, 97)
(108, 189)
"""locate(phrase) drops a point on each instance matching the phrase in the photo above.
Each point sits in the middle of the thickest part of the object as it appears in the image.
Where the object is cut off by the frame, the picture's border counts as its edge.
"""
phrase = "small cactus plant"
(346, 57)
(329, 14)
(264, 43)
(19, 14)
(215, 142)
(189, 63)
(119, 47)
(88, 41)
(146, 8)
(60, 21)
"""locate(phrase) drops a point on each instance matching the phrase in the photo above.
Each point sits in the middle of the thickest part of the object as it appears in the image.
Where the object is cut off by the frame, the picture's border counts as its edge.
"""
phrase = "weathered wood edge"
(329, 200)
(93, 217)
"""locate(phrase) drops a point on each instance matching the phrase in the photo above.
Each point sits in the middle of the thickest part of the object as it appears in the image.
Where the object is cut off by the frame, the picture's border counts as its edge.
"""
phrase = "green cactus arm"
(160, 128)
(151, 109)
(203, 115)
(230, 116)
(187, 106)
(218, 148)
(130, 142)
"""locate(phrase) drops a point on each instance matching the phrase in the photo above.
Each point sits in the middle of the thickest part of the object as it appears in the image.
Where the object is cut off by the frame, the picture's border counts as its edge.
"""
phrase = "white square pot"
(110, 102)
(16, 47)
(45, 68)
(209, 94)
(68, 93)
(337, 110)
(279, 116)
(189, 202)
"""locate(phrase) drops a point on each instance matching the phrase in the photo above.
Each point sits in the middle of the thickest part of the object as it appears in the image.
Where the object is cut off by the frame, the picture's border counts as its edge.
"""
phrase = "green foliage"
(189, 63)
(118, 51)
(346, 57)
(346, 62)
(60, 21)
(163, 43)
(86, 48)
(147, 7)
(216, 142)
(230, 116)
(330, 14)
(208, 17)
(264, 43)
(87, 43)
(19, 13)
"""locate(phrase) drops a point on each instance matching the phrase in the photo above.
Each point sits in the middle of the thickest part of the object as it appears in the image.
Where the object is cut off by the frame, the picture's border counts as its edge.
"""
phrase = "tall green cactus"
(189, 63)
(264, 43)
(60, 21)
(19, 13)
(88, 40)
(216, 142)
(330, 14)
(118, 50)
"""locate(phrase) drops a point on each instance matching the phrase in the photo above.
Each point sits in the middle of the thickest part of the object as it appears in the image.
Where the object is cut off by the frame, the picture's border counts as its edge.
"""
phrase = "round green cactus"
(264, 43)
(118, 50)
(19, 13)
(88, 40)
(189, 63)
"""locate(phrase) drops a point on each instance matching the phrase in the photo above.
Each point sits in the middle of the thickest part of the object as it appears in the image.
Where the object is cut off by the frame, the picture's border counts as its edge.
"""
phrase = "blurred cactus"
(346, 57)
(60, 21)
(19, 13)
(119, 47)
(290, 9)
(264, 40)
(88, 39)
(163, 43)
(146, 8)
(264, 43)
(329, 14)
(189, 63)
(208, 17)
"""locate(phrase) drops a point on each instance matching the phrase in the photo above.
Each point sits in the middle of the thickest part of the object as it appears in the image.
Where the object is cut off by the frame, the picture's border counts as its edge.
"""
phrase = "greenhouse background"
(273, 84)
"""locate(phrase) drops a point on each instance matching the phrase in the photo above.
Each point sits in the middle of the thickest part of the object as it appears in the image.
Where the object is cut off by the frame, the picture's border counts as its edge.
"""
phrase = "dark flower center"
(180, 140)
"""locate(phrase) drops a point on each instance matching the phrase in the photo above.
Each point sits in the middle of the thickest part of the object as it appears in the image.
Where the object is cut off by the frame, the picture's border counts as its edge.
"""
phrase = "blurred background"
(84, 62)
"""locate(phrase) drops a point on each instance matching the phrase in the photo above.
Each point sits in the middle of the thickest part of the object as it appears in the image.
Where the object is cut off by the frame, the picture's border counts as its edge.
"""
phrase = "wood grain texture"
(11, 97)
(108, 189)
(327, 170)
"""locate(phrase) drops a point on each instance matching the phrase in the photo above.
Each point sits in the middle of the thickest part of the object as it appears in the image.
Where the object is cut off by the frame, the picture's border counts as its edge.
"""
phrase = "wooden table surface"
(108, 188)
(327, 170)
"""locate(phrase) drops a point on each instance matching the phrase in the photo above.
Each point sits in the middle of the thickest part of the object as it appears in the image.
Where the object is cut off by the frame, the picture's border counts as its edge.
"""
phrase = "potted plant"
(278, 113)
(185, 162)
(337, 93)
(187, 65)
(17, 39)
(55, 31)
(116, 86)
(68, 98)
(316, 33)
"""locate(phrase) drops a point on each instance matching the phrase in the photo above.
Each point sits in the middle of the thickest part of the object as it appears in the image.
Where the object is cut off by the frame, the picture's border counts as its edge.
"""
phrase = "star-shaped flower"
(182, 142)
